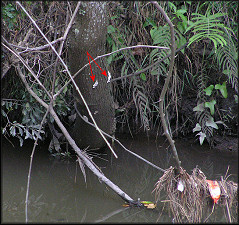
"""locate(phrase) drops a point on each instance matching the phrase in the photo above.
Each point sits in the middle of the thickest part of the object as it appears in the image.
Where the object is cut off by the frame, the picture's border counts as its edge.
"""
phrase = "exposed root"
(187, 194)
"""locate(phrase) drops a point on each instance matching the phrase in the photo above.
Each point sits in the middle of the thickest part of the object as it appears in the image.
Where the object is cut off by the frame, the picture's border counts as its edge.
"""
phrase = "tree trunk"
(88, 34)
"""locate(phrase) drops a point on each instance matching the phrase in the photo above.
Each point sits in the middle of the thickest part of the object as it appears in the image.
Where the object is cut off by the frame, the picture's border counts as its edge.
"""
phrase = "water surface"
(58, 192)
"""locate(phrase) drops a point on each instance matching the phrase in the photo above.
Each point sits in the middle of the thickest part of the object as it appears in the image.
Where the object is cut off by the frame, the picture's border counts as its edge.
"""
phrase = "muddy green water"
(58, 192)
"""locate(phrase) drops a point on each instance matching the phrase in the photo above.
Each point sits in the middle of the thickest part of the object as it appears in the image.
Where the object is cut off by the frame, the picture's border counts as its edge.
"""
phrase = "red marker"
(214, 190)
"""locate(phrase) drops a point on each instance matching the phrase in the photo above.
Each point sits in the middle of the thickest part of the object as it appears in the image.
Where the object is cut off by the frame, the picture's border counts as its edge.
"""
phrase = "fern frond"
(227, 59)
(208, 26)
(142, 105)
(161, 37)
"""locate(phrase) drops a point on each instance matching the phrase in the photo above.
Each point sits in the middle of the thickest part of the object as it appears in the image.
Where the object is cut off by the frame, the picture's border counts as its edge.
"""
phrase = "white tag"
(180, 185)
(95, 84)
(109, 77)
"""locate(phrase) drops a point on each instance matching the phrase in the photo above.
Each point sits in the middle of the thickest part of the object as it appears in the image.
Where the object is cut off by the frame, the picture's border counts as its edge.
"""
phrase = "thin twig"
(113, 138)
(33, 151)
(25, 64)
(148, 67)
(121, 49)
(26, 49)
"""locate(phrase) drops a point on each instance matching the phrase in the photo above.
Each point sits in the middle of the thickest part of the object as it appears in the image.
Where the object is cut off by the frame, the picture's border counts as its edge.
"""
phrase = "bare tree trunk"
(88, 34)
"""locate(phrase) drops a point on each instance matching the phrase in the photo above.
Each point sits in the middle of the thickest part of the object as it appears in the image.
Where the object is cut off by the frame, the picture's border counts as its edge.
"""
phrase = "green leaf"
(208, 90)
(3, 113)
(202, 137)
(149, 21)
(236, 98)
(113, 17)
(21, 141)
(211, 123)
(64, 90)
(227, 72)
(172, 6)
(109, 40)
(20, 130)
(181, 11)
(197, 127)
(199, 108)
(143, 76)
(222, 88)
(180, 42)
(210, 105)
(28, 108)
(13, 131)
(110, 29)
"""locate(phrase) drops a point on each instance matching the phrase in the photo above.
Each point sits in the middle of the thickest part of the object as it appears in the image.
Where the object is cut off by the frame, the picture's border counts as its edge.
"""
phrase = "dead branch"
(83, 156)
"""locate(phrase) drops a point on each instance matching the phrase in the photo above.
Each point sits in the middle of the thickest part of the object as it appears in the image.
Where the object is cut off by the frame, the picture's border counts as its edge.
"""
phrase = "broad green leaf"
(210, 105)
(3, 113)
(110, 29)
(113, 17)
(222, 88)
(13, 131)
(197, 127)
(221, 122)
(149, 21)
(28, 108)
(143, 76)
(211, 123)
(20, 130)
(227, 72)
(199, 108)
(56, 81)
(202, 137)
(109, 40)
(121, 40)
(181, 11)
(109, 59)
(180, 27)
(209, 89)
(21, 141)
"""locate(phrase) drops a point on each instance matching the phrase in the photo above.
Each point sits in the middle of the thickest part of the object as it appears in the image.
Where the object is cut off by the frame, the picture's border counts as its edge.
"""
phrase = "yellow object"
(147, 204)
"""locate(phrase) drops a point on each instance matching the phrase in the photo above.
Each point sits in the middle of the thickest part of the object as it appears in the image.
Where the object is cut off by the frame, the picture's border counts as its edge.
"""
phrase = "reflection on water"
(58, 192)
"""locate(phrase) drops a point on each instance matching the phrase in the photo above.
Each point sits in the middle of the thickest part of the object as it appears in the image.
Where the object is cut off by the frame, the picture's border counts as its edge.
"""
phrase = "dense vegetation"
(203, 94)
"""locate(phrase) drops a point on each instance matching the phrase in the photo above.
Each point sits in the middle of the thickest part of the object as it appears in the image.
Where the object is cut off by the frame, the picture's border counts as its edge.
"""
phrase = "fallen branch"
(83, 156)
